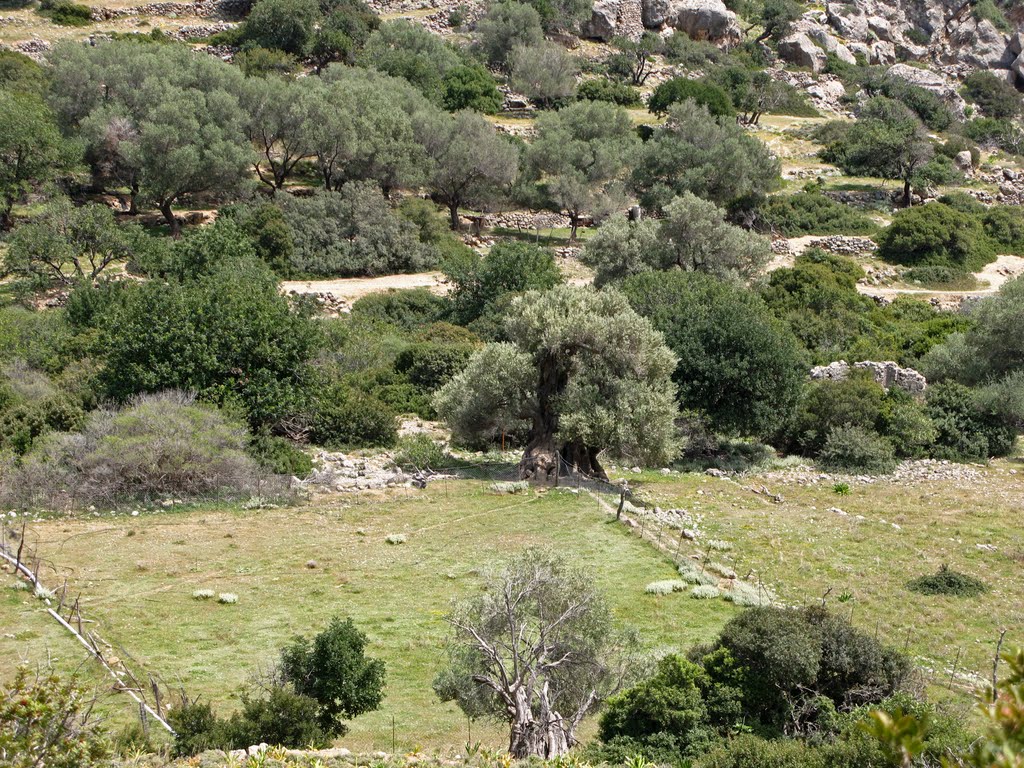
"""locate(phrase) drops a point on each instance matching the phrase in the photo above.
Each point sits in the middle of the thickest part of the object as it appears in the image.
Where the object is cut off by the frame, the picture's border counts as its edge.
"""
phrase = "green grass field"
(137, 576)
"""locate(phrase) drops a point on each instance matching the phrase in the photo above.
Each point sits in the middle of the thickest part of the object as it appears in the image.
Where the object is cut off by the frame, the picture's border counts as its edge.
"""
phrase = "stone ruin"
(888, 374)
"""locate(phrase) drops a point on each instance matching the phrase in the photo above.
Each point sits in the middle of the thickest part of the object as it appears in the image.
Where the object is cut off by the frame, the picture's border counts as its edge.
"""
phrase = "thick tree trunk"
(453, 213)
(540, 459)
(908, 194)
(574, 224)
(544, 735)
(172, 221)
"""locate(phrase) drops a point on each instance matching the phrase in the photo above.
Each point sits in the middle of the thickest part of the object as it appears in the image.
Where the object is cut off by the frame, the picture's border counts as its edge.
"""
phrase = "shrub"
(158, 446)
(344, 416)
(856, 449)
(996, 97)
(705, 592)
(470, 87)
(420, 452)
(747, 595)
(1004, 224)
(936, 235)
(679, 89)
(279, 716)
(395, 538)
(333, 670)
(47, 721)
(947, 582)
(280, 456)
(748, 751)
(603, 89)
(408, 309)
(227, 598)
(965, 432)
(197, 729)
(947, 278)
(812, 213)
(691, 574)
(202, 594)
(66, 13)
(827, 405)
(666, 587)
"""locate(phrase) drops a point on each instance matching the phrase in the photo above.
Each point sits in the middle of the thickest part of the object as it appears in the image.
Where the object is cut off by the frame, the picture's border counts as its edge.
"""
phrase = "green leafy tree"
(473, 164)
(334, 671)
(20, 74)
(66, 243)
(737, 365)
(544, 73)
(996, 97)
(562, 15)
(506, 26)
(470, 87)
(678, 89)
(275, 122)
(633, 61)
(402, 48)
(31, 149)
(887, 140)
(343, 32)
(775, 17)
(565, 657)
(228, 336)
(695, 152)
(580, 155)
(287, 25)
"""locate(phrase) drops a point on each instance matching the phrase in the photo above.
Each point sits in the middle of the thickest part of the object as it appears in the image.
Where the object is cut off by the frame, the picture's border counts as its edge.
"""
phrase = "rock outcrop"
(700, 19)
(888, 374)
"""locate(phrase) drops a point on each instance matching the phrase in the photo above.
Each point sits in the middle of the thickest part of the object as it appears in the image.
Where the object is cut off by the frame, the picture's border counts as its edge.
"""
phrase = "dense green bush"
(992, 132)
(280, 456)
(812, 213)
(739, 367)
(278, 716)
(855, 401)
(965, 431)
(749, 751)
(679, 89)
(344, 416)
(947, 582)
(1004, 224)
(946, 278)
(603, 89)
(334, 671)
(66, 13)
(408, 309)
(926, 105)
(936, 235)
(856, 449)
(421, 452)
(996, 97)
(470, 87)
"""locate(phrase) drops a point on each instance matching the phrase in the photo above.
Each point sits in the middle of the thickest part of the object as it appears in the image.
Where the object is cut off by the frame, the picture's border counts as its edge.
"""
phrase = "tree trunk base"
(544, 463)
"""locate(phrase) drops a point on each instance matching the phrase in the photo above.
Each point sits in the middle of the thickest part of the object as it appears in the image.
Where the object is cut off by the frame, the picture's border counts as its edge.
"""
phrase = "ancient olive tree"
(600, 380)
(472, 162)
(713, 158)
(506, 26)
(580, 156)
(693, 236)
(536, 650)
(544, 72)
(274, 124)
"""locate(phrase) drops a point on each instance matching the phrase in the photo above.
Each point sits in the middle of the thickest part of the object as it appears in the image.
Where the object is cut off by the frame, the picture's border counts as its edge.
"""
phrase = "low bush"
(679, 89)
(158, 446)
(947, 582)
(420, 452)
(280, 456)
(812, 213)
(66, 13)
(936, 235)
(666, 587)
(1004, 224)
(994, 96)
(856, 449)
(408, 309)
(344, 416)
(947, 278)
(964, 430)
(603, 89)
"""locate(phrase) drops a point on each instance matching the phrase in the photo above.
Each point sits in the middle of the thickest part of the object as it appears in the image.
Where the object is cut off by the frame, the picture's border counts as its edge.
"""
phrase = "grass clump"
(227, 598)
(396, 538)
(705, 592)
(521, 486)
(747, 595)
(20, 586)
(202, 594)
(948, 582)
(666, 587)
(689, 573)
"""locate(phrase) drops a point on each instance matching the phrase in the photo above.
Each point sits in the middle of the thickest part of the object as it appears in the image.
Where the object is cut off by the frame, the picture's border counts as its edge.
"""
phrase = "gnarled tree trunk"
(540, 459)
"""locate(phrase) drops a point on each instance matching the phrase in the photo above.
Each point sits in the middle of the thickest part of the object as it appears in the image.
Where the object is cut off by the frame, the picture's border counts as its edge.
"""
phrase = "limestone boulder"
(801, 51)
(604, 21)
(704, 20)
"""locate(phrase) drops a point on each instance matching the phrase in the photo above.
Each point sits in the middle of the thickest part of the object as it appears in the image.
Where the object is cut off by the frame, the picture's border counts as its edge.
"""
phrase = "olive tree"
(715, 159)
(600, 380)
(537, 650)
(472, 162)
(580, 155)
(274, 123)
(693, 236)
(543, 72)
(505, 26)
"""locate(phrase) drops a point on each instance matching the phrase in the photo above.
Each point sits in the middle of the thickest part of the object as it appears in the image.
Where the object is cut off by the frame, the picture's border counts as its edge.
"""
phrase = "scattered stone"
(889, 374)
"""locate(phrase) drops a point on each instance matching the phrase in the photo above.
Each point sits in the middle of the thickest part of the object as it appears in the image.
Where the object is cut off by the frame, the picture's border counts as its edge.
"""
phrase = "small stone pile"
(341, 472)
(329, 303)
(843, 245)
(523, 220)
(200, 8)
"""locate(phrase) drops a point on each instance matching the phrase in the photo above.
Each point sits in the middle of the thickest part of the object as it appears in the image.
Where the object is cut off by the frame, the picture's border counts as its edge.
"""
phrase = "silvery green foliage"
(665, 587)
(705, 592)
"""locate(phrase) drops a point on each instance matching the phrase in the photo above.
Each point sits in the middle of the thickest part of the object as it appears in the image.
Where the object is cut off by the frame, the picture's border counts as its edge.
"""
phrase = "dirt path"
(993, 276)
(354, 288)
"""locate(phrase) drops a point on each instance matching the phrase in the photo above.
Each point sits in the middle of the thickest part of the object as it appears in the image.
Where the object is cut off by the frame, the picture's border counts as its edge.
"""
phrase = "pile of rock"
(344, 473)
(197, 31)
(200, 8)
(700, 19)
(888, 373)
(525, 220)
(328, 303)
